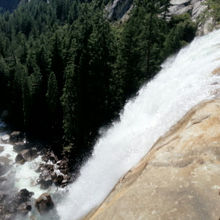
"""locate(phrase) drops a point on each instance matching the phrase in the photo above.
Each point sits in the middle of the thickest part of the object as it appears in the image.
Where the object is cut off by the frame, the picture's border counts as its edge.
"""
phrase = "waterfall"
(185, 80)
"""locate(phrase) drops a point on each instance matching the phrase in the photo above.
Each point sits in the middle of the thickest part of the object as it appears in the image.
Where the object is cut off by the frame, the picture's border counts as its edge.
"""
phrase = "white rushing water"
(21, 176)
(184, 81)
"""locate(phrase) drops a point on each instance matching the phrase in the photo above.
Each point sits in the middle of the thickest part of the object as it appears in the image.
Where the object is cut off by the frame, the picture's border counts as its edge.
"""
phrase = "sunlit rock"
(178, 179)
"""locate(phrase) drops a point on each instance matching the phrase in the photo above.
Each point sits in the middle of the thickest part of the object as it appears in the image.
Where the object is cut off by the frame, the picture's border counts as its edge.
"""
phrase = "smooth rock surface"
(178, 179)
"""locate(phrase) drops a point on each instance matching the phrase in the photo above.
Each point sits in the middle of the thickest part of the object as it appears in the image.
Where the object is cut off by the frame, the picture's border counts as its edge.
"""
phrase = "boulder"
(5, 138)
(16, 136)
(29, 154)
(26, 155)
(23, 196)
(44, 203)
(19, 146)
(20, 159)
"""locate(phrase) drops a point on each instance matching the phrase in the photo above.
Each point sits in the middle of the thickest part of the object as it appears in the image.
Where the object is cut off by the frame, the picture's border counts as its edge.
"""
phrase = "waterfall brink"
(184, 81)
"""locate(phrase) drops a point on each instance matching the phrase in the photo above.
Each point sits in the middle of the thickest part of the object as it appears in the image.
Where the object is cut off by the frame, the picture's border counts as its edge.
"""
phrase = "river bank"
(31, 177)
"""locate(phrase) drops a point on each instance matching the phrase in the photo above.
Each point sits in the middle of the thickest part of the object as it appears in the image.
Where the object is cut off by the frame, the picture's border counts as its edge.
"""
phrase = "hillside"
(67, 70)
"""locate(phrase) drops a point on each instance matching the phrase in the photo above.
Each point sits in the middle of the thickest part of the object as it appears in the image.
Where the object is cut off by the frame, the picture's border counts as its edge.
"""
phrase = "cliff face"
(197, 9)
(118, 9)
(178, 179)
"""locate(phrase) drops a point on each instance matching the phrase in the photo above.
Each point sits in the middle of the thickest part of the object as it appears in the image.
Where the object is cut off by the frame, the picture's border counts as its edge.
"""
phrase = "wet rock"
(9, 216)
(20, 203)
(26, 155)
(23, 196)
(40, 168)
(29, 154)
(5, 138)
(16, 136)
(58, 179)
(19, 146)
(19, 159)
(45, 180)
(24, 208)
(44, 203)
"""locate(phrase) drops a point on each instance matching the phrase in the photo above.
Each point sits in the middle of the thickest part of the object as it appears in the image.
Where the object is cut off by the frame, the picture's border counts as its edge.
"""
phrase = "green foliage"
(67, 71)
(215, 8)
(182, 32)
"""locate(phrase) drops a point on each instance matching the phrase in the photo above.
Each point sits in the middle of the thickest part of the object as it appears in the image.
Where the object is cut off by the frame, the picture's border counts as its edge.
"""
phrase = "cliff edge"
(178, 179)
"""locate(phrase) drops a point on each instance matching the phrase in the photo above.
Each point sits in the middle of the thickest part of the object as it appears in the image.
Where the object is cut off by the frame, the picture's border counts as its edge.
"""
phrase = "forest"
(66, 71)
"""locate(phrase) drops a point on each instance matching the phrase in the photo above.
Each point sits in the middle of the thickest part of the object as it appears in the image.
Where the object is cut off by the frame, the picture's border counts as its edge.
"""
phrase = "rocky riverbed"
(30, 177)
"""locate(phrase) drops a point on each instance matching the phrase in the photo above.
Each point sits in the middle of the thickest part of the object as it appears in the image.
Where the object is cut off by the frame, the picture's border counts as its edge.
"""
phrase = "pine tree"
(68, 102)
(52, 100)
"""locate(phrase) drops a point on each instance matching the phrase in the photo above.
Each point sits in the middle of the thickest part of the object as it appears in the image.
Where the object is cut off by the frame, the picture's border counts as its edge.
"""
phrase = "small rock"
(19, 159)
(5, 138)
(40, 168)
(53, 157)
(44, 203)
(58, 180)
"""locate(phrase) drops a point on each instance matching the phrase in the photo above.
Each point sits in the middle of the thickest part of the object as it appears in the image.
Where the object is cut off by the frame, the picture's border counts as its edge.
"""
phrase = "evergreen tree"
(52, 101)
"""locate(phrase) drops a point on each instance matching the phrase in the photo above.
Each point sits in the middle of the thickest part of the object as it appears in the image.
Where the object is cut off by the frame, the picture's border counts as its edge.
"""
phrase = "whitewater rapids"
(184, 81)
